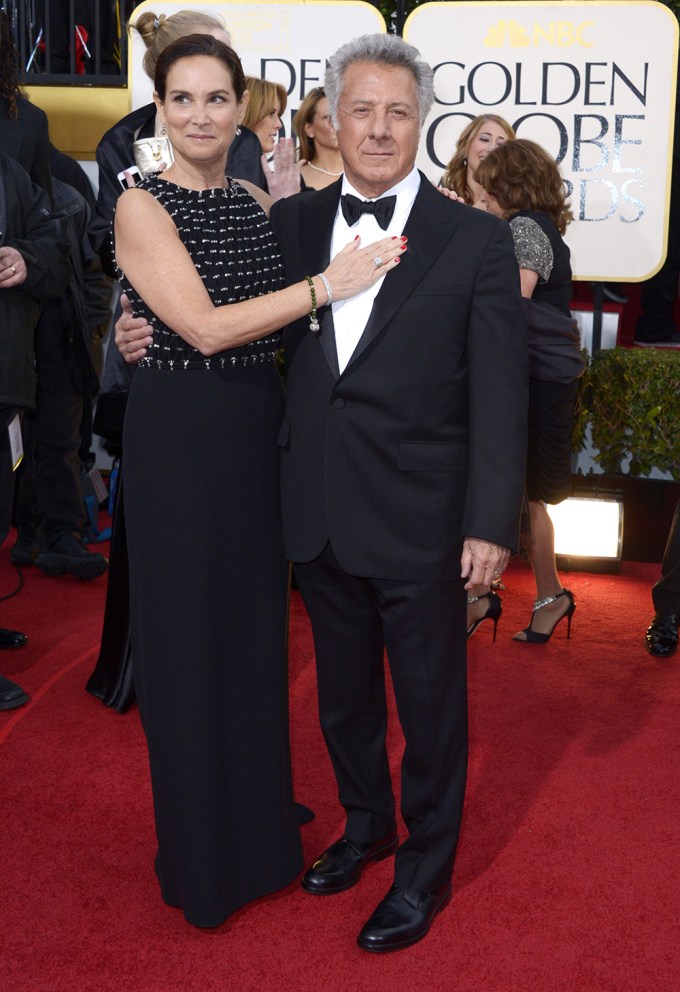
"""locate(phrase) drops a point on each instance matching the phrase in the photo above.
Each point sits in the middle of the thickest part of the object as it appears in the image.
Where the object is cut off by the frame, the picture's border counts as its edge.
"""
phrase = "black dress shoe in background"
(661, 638)
(341, 865)
(11, 695)
(11, 638)
(402, 918)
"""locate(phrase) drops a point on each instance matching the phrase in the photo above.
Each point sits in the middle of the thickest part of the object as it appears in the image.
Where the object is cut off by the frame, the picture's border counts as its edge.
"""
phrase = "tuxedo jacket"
(421, 440)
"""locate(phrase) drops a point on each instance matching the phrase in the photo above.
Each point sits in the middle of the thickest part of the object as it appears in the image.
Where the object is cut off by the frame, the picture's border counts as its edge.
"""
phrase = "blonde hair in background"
(264, 96)
(159, 31)
(455, 177)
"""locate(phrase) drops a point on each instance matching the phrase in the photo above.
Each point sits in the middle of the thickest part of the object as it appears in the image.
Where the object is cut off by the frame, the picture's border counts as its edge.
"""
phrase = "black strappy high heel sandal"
(532, 636)
(493, 611)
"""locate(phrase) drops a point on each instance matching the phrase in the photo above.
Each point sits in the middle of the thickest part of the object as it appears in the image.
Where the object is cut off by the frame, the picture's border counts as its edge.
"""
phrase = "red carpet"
(567, 877)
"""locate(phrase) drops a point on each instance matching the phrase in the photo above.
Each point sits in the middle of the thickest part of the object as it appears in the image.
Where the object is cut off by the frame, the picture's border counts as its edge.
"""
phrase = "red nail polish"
(397, 260)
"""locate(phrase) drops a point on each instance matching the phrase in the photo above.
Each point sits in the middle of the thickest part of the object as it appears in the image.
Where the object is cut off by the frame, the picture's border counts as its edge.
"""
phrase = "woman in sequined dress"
(522, 184)
(208, 580)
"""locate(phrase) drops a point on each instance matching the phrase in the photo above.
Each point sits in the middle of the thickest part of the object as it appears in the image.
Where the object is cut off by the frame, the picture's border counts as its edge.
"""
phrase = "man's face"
(378, 126)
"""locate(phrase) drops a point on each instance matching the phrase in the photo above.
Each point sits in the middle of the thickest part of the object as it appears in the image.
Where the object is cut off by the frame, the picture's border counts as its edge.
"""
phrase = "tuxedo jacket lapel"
(428, 230)
(317, 224)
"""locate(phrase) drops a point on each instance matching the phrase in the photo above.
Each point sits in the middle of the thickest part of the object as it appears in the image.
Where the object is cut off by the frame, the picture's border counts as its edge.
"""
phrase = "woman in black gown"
(208, 580)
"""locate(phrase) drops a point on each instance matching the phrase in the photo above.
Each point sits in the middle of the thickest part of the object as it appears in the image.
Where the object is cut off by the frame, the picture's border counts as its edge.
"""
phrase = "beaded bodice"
(232, 245)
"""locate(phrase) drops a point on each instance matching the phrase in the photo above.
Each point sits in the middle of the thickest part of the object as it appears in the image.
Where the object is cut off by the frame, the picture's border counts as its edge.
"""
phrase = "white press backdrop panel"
(594, 83)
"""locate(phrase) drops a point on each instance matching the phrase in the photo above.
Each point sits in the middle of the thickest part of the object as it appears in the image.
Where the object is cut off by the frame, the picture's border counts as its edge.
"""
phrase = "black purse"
(554, 343)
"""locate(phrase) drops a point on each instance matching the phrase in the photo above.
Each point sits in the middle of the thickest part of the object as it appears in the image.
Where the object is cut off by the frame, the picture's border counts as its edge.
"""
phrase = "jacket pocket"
(416, 456)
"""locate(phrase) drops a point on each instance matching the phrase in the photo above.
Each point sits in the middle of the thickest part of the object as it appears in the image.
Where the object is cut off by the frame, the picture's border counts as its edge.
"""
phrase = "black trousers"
(48, 480)
(666, 592)
(422, 626)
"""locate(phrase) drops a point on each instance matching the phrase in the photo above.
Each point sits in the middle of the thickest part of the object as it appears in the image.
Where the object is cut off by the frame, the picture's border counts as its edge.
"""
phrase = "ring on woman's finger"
(13, 268)
(377, 261)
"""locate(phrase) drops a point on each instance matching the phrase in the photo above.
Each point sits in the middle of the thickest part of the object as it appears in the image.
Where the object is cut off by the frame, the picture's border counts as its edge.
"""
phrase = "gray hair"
(380, 49)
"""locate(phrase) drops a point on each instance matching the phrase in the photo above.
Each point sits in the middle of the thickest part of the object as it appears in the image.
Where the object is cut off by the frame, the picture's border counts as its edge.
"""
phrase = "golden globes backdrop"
(287, 41)
(594, 83)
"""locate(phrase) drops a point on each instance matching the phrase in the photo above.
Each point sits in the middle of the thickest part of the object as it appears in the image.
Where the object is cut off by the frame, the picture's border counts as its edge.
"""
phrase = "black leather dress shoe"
(11, 638)
(341, 865)
(402, 918)
(661, 638)
(11, 695)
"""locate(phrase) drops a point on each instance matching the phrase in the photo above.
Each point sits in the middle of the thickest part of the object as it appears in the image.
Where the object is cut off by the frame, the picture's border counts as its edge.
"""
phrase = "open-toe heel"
(532, 636)
(493, 612)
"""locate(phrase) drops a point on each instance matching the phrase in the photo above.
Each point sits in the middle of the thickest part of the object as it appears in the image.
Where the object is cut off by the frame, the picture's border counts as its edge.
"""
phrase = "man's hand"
(13, 269)
(133, 334)
(285, 179)
(482, 562)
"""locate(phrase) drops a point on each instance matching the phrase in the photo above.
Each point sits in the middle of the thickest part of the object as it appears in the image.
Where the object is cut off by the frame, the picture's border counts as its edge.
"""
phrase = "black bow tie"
(382, 210)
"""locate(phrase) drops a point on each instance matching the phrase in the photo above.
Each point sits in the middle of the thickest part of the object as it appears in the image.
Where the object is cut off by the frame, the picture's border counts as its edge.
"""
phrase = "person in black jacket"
(23, 127)
(49, 511)
(33, 268)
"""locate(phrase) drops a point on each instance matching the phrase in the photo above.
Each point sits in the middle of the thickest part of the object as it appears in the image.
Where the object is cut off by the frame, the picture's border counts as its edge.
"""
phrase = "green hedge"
(631, 398)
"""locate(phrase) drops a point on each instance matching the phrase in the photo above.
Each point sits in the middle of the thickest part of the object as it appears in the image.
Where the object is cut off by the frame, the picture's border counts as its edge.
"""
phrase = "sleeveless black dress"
(208, 579)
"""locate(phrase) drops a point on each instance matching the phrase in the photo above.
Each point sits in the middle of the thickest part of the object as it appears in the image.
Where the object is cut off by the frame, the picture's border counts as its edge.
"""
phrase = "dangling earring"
(238, 130)
(163, 131)
(464, 161)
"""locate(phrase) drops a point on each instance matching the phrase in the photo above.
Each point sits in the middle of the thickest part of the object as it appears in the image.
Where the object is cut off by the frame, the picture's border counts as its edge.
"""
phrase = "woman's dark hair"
(9, 85)
(523, 176)
(199, 44)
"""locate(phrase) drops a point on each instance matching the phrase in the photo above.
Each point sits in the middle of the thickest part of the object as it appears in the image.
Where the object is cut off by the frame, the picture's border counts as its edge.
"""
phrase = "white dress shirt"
(351, 316)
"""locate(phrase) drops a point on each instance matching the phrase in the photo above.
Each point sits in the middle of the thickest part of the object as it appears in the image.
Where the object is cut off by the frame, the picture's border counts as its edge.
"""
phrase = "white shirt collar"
(410, 183)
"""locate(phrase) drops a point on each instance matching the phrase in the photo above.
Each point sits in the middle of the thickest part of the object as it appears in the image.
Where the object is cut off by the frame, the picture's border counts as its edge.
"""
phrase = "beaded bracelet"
(313, 316)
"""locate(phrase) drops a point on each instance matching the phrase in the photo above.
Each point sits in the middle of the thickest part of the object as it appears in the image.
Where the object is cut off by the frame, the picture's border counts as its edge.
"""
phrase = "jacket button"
(338, 404)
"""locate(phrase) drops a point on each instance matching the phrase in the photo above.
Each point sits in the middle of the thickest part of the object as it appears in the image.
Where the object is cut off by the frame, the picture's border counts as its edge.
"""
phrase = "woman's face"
(267, 130)
(201, 110)
(320, 127)
(489, 136)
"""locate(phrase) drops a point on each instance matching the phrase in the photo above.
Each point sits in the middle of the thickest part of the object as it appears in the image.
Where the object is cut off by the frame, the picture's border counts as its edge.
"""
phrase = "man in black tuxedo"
(403, 454)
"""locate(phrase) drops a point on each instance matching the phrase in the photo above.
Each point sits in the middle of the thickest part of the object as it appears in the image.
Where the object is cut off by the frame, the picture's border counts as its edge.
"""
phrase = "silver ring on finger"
(377, 261)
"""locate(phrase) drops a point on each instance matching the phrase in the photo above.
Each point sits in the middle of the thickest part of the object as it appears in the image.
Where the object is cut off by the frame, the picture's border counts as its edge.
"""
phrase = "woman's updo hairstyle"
(159, 31)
